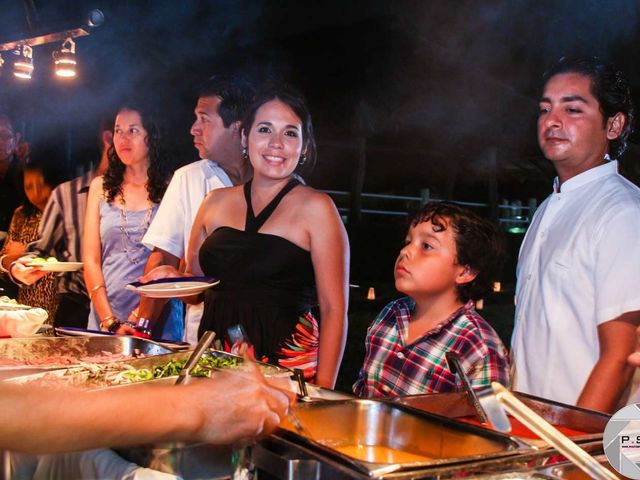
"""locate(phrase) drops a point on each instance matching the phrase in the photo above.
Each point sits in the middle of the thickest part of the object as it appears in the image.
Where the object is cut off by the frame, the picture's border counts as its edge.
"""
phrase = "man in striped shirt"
(449, 260)
(60, 235)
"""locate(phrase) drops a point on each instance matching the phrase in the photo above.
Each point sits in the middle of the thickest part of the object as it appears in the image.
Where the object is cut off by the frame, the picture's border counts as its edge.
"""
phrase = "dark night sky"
(434, 86)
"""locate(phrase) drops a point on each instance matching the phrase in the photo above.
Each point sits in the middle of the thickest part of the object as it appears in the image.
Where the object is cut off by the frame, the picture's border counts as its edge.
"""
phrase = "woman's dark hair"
(43, 160)
(609, 86)
(298, 104)
(159, 164)
(480, 244)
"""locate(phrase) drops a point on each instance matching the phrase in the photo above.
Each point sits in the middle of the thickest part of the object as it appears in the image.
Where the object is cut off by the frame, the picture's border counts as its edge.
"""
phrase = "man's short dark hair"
(480, 244)
(609, 86)
(235, 95)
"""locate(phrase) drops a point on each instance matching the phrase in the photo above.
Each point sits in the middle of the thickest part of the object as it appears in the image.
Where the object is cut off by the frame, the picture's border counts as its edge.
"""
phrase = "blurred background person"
(120, 207)
(10, 184)
(60, 236)
(11, 190)
(38, 182)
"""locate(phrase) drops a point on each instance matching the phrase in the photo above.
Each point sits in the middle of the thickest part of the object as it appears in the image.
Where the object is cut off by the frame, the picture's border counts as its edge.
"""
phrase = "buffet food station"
(330, 435)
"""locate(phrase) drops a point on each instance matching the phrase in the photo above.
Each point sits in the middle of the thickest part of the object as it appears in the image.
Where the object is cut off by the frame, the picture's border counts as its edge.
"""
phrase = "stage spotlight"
(23, 65)
(65, 59)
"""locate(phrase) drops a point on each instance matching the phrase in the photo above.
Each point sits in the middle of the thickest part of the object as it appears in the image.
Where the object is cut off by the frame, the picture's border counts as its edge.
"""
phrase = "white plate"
(173, 287)
(57, 266)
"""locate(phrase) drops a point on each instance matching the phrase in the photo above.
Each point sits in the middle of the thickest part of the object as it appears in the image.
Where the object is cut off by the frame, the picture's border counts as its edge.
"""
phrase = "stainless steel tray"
(333, 428)
(287, 458)
(559, 471)
(35, 352)
(456, 405)
(95, 377)
(570, 471)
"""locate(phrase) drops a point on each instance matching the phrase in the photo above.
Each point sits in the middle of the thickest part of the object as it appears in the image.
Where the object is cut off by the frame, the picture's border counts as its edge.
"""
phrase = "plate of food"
(52, 264)
(173, 287)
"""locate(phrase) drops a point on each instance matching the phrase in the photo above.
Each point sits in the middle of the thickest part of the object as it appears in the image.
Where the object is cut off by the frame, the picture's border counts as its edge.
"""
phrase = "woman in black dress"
(273, 241)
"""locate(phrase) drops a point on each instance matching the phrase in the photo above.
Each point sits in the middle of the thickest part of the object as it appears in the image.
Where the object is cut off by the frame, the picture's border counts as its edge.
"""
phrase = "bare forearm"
(333, 335)
(606, 385)
(611, 374)
(94, 280)
(151, 308)
(45, 420)
(8, 259)
(77, 420)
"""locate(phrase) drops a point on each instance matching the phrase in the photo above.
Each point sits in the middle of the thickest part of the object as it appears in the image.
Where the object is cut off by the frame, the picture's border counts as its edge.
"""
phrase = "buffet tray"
(91, 375)
(558, 471)
(289, 459)
(378, 438)
(36, 353)
(585, 425)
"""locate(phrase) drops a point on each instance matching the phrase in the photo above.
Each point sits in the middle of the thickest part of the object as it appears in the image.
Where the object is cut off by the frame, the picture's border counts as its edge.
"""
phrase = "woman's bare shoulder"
(96, 186)
(314, 201)
(97, 182)
(222, 194)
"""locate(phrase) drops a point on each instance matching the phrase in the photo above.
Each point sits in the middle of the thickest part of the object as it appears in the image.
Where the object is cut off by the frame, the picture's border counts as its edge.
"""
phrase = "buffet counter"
(330, 435)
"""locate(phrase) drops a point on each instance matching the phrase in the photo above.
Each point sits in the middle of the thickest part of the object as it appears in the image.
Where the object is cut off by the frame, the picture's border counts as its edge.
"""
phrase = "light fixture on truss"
(23, 64)
(65, 59)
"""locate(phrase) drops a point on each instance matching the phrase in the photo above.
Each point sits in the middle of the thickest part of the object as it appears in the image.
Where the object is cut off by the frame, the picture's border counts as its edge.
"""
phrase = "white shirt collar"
(595, 173)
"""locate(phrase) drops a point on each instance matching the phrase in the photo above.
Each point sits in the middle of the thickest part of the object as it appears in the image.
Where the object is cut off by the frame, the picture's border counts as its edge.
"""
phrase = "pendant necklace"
(132, 238)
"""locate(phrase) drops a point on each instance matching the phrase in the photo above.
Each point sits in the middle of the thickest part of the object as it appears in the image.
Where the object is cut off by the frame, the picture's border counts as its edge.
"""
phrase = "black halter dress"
(266, 285)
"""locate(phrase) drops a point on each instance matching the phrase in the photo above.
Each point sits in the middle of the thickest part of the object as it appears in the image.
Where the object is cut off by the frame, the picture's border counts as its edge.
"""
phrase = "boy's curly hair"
(480, 244)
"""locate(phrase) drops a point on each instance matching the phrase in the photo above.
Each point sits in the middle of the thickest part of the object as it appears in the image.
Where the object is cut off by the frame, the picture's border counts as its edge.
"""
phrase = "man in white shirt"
(578, 295)
(221, 106)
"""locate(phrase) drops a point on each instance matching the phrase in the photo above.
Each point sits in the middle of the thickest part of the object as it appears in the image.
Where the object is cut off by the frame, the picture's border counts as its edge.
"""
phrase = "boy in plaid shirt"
(449, 260)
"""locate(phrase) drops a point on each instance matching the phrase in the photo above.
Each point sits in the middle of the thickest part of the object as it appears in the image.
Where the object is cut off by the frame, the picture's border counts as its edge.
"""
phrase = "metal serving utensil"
(238, 336)
(293, 418)
(497, 399)
(303, 394)
(456, 368)
(203, 344)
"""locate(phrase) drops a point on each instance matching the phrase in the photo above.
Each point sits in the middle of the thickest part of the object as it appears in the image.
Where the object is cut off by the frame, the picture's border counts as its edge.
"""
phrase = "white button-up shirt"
(170, 230)
(579, 267)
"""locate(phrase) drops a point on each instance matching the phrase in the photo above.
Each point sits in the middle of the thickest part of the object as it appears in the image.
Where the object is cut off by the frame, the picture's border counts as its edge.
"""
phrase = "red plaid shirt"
(392, 368)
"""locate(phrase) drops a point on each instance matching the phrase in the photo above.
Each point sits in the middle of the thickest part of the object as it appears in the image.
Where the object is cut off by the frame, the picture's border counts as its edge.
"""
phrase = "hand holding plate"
(162, 271)
(28, 274)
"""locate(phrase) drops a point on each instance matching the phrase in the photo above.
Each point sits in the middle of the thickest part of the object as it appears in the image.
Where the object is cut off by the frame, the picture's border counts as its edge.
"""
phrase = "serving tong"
(456, 368)
(496, 399)
(194, 358)
(239, 337)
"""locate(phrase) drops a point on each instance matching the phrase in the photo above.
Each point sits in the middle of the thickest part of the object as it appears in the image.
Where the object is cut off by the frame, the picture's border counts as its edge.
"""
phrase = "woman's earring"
(245, 155)
(303, 158)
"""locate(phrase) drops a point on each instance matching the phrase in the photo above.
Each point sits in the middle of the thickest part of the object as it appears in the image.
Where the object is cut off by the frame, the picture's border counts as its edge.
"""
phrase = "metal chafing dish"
(569, 471)
(559, 471)
(37, 350)
(586, 426)
(284, 458)
(92, 375)
(378, 439)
